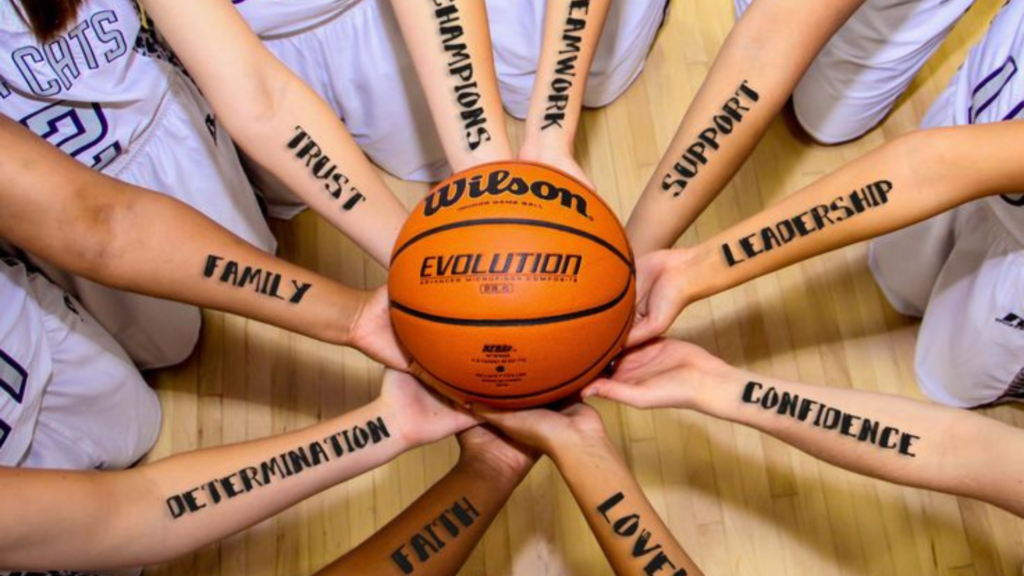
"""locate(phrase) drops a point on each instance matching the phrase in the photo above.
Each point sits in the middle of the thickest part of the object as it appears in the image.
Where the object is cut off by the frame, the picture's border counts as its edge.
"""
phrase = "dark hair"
(47, 18)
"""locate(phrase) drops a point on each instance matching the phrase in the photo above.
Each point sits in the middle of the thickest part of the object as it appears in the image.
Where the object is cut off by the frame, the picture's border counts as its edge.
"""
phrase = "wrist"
(572, 448)
(487, 154)
(401, 432)
(494, 470)
(719, 394)
(350, 309)
(696, 269)
(537, 147)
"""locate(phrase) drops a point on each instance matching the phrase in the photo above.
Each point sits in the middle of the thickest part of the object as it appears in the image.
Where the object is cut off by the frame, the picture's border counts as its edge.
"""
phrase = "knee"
(959, 380)
(172, 344)
(515, 100)
(149, 415)
(601, 91)
(818, 130)
(827, 119)
(134, 423)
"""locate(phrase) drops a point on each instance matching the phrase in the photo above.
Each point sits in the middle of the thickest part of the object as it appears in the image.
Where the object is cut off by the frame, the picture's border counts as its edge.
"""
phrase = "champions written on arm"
(460, 66)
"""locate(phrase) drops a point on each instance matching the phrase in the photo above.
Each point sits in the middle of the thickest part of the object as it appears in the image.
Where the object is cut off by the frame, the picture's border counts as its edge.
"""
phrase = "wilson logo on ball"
(501, 182)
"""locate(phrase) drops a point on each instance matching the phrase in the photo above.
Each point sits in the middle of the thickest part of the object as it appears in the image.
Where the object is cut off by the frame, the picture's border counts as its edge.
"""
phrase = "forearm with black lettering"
(572, 29)
(208, 266)
(134, 239)
(753, 76)
(156, 512)
(634, 538)
(900, 183)
(898, 439)
(450, 45)
(280, 122)
(436, 534)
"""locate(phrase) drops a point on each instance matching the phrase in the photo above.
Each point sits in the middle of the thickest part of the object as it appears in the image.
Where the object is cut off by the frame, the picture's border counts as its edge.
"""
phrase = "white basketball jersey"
(90, 91)
(990, 88)
(24, 366)
(277, 17)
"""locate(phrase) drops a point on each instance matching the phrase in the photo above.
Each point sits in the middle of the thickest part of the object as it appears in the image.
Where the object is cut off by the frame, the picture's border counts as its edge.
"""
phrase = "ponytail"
(47, 18)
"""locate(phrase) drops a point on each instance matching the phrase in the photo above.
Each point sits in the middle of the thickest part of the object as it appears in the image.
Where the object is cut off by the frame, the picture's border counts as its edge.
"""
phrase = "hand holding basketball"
(548, 430)
(664, 374)
(500, 454)
(561, 158)
(419, 414)
(372, 334)
(662, 293)
(511, 284)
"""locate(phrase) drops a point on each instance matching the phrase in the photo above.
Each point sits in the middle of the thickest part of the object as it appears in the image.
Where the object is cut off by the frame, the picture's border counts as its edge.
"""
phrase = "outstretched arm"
(572, 30)
(450, 46)
(898, 184)
(436, 533)
(629, 530)
(156, 512)
(133, 239)
(896, 439)
(280, 122)
(758, 67)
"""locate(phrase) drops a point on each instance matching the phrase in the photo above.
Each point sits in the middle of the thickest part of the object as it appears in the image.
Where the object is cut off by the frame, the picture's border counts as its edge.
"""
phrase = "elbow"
(267, 94)
(104, 232)
(91, 236)
(943, 165)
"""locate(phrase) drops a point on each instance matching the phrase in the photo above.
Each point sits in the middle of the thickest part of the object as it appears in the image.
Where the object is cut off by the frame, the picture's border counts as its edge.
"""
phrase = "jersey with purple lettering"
(990, 88)
(24, 367)
(91, 90)
(280, 17)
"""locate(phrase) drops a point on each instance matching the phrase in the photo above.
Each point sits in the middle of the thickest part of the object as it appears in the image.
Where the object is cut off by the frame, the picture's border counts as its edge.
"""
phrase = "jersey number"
(12, 381)
(985, 95)
(78, 130)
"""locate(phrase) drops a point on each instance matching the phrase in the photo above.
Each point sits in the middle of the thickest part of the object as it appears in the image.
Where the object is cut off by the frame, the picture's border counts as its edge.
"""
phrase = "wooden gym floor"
(740, 502)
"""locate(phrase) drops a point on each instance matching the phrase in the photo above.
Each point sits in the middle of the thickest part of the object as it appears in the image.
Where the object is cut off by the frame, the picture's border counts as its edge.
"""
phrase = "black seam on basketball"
(511, 221)
(602, 358)
(512, 322)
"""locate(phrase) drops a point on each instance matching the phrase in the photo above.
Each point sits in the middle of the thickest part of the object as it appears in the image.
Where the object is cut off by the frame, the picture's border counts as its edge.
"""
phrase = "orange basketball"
(512, 285)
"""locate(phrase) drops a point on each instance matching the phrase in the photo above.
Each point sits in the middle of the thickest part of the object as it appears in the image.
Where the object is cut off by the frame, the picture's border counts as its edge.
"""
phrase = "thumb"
(586, 182)
(398, 359)
(663, 307)
(629, 394)
(646, 329)
(488, 414)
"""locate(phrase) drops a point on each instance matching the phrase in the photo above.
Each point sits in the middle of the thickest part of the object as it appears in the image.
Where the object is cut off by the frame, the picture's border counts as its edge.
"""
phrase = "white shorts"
(359, 65)
(517, 31)
(70, 397)
(858, 76)
(369, 80)
(963, 271)
(178, 155)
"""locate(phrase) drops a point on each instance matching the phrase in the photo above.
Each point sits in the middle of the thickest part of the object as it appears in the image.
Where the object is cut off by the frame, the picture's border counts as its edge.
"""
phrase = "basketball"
(512, 285)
